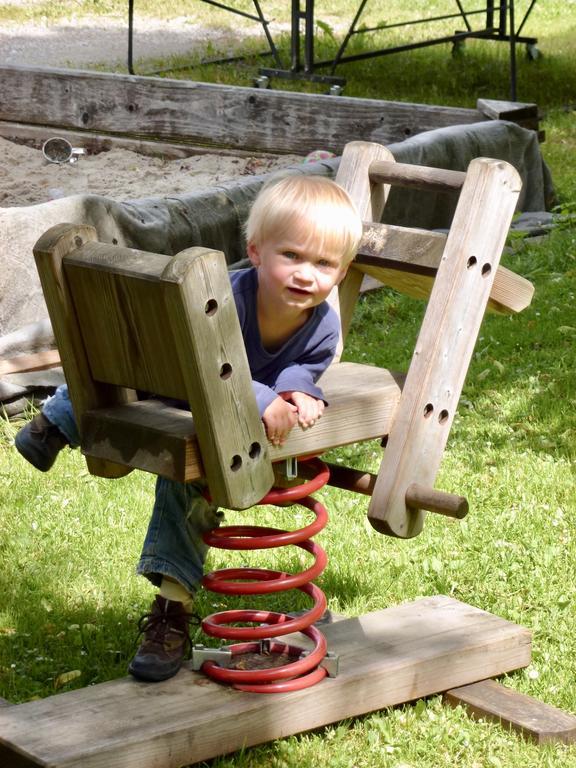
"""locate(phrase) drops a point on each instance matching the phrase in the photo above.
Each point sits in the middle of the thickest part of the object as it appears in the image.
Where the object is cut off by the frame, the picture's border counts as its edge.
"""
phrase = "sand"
(26, 177)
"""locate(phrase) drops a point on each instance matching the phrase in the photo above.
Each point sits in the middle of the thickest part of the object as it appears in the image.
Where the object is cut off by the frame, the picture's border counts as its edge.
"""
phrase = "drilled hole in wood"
(226, 371)
(211, 307)
(472, 261)
(255, 450)
(486, 269)
(428, 410)
(78, 241)
(236, 463)
(442, 416)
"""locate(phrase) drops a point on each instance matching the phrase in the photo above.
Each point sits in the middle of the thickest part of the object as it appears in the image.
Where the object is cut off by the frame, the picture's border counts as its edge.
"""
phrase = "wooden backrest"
(126, 320)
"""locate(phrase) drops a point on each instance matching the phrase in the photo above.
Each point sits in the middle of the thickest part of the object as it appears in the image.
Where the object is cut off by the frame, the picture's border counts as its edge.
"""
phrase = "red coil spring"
(301, 671)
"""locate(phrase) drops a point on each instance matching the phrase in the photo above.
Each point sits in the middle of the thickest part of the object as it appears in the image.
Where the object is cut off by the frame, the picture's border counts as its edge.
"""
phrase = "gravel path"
(104, 41)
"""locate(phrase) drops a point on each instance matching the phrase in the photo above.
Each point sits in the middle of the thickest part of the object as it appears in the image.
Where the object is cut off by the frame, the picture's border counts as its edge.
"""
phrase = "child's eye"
(290, 255)
(326, 264)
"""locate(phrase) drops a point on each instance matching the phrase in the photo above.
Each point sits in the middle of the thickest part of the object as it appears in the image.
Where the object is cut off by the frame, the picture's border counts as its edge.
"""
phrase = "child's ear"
(253, 255)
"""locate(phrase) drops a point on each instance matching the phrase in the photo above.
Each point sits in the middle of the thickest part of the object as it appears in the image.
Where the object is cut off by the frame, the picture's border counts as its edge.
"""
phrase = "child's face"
(295, 275)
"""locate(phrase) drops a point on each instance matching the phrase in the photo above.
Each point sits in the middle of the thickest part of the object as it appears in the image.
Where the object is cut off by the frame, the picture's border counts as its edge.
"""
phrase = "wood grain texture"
(534, 719)
(369, 198)
(416, 176)
(85, 393)
(151, 436)
(98, 142)
(388, 657)
(35, 361)
(147, 435)
(123, 318)
(211, 355)
(169, 326)
(249, 119)
(407, 260)
(445, 344)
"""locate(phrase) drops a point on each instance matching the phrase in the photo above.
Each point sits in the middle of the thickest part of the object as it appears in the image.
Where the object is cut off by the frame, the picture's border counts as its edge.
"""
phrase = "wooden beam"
(36, 361)
(99, 142)
(369, 197)
(522, 113)
(49, 253)
(197, 294)
(420, 177)
(250, 119)
(385, 658)
(407, 260)
(534, 719)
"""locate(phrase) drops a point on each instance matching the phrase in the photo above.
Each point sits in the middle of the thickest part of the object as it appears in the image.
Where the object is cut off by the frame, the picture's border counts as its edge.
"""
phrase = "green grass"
(70, 541)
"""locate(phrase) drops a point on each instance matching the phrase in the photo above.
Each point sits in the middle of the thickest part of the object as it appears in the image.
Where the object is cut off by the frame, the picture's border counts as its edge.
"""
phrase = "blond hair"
(316, 205)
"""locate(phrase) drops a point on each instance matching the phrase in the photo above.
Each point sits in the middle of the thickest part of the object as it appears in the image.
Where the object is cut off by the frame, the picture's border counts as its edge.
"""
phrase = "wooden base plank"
(386, 658)
(534, 719)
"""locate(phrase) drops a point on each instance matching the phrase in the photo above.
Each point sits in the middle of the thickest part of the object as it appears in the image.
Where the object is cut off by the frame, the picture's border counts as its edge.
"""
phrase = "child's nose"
(305, 271)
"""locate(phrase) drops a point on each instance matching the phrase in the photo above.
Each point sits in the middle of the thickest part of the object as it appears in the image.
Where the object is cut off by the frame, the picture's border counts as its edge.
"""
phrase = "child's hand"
(279, 418)
(310, 409)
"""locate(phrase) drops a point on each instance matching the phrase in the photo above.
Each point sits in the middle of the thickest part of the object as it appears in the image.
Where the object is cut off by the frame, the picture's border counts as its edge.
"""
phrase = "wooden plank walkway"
(386, 658)
(535, 720)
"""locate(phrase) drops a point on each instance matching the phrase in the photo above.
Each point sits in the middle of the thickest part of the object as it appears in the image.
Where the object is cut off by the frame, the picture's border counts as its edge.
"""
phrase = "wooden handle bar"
(416, 176)
(351, 479)
(448, 504)
(417, 496)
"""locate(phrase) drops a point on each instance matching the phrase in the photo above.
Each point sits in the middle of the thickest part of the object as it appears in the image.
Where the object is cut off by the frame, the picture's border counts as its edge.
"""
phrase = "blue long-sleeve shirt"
(299, 362)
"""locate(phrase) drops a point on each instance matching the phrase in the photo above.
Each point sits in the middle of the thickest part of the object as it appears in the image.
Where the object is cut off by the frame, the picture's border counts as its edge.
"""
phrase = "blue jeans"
(173, 545)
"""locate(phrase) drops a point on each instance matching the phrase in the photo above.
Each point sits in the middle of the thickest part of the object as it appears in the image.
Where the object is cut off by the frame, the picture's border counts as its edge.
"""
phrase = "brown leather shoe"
(40, 442)
(165, 642)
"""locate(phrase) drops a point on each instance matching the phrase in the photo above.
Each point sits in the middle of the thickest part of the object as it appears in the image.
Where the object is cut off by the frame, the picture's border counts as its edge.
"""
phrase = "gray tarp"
(214, 218)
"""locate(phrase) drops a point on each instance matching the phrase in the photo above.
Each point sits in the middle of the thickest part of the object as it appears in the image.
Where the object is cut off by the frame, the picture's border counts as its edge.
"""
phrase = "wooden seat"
(126, 320)
(363, 400)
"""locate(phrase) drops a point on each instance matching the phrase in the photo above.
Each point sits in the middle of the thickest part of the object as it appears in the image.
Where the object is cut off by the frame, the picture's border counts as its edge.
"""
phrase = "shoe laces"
(157, 623)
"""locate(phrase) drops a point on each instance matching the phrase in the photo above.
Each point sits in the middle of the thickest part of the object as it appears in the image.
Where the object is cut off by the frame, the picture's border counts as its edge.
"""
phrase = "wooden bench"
(126, 320)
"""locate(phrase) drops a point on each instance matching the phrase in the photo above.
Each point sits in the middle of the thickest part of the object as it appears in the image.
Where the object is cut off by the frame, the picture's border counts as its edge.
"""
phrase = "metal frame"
(504, 30)
(259, 17)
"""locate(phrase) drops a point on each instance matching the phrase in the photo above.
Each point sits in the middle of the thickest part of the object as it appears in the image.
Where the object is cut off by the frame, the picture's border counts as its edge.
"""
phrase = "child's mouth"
(299, 291)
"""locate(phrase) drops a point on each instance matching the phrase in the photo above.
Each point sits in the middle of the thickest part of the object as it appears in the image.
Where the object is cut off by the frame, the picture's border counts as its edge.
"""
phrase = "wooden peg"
(448, 504)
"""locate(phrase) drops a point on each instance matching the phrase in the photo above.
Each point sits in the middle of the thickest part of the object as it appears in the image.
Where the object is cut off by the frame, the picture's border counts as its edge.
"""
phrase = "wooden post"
(208, 337)
(445, 344)
(85, 393)
(369, 198)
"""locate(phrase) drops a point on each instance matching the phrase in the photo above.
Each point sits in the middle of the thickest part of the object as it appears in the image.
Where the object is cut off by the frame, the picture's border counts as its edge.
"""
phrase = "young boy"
(302, 234)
